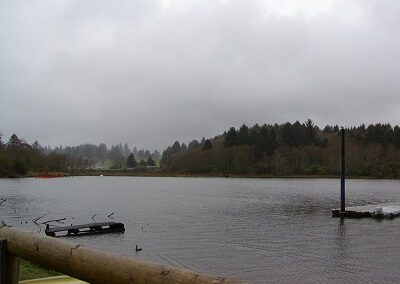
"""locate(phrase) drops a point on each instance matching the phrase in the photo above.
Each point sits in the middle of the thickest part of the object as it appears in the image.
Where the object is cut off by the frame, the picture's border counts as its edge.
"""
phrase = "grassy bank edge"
(29, 270)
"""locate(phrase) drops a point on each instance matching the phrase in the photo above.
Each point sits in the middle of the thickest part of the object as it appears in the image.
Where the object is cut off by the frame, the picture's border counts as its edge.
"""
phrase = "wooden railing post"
(12, 268)
(9, 267)
(3, 261)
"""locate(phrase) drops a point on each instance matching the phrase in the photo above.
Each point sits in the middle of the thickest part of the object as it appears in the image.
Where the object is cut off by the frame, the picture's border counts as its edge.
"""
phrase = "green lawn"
(29, 270)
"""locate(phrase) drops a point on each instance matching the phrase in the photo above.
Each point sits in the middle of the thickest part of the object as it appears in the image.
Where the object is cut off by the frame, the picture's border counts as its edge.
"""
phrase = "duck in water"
(137, 249)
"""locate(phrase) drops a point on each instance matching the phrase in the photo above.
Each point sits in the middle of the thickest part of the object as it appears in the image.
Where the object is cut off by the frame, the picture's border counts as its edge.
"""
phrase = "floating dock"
(387, 210)
(91, 228)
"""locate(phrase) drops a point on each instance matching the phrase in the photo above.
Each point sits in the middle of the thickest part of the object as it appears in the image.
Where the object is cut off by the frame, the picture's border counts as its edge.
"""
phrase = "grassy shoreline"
(29, 270)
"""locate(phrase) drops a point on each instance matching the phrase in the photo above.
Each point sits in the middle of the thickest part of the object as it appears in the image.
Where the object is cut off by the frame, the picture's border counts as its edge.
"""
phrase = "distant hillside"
(290, 149)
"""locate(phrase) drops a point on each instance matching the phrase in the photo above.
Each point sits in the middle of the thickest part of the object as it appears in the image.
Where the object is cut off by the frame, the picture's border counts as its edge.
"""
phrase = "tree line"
(90, 155)
(269, 149)
(290, 149)
(18, 157)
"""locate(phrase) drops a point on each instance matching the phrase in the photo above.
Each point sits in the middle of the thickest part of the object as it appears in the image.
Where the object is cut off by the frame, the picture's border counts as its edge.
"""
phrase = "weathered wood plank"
(92, 228)
(82, 226)
(3, 262)
(12, 268)
(9, 266)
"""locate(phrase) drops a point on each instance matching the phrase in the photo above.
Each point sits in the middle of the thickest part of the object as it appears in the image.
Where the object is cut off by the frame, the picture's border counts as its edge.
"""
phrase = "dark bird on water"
(137, 249)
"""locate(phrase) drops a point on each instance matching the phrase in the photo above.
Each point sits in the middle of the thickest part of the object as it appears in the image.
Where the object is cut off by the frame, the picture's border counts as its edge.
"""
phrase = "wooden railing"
(84, 263)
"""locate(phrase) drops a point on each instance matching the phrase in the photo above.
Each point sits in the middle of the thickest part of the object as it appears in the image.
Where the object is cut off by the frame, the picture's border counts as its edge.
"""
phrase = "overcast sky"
(151, 72)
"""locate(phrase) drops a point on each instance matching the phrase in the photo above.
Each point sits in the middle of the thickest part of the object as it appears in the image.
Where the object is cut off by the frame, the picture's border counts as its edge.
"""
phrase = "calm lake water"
(258, 230)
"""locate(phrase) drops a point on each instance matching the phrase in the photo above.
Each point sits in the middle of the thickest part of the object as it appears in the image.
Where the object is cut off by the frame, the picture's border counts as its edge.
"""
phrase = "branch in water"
(40, 217)
(55, 220)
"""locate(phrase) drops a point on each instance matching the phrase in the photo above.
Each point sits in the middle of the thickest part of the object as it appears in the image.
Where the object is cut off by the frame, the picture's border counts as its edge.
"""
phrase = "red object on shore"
(49, 175)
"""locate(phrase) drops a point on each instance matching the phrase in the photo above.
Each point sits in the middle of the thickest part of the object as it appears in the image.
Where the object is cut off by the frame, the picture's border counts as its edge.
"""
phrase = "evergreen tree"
(131, 162)
(253, 132)
(140, 154)
(165, 156)
(265, 143)
(176, 148)
(171, 150)
(116, 156)
(286, 134)
(121, 148)
(328, 129)
(243, 137)
(183, 147)
(155, 155)
(1, 141)
(150, 162)
(311, 133)
(298, 134)
(193, 144)
(36, 146)
(102, 152)
(207, 145)
(231, 138)
(127, 151)
(146, 154)
(14, 144)
(379, 134)
(396, 136)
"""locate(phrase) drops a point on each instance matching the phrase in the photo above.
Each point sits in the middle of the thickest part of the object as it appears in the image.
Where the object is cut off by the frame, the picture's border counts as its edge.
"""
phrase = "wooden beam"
(95, 266)
(12, 269)
(3, 261)
(9, 267)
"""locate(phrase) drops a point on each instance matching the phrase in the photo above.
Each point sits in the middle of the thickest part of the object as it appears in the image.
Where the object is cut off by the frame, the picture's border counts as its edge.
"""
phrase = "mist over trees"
(17, 157)
(94, 156)
(290, 149)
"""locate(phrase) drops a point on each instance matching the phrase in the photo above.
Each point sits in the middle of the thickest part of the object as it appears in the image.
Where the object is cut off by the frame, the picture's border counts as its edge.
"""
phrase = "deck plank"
(82, 226)
(389, 210)
(90, 228)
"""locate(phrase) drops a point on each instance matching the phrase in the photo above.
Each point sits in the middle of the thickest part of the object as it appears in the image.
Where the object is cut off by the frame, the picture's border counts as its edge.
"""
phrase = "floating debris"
(91, 228)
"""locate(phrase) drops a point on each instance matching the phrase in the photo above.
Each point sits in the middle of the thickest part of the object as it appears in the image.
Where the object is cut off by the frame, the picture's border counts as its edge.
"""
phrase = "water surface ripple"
(258, 230)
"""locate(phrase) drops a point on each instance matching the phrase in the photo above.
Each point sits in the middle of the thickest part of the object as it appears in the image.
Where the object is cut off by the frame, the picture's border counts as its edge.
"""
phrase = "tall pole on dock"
(342, 174)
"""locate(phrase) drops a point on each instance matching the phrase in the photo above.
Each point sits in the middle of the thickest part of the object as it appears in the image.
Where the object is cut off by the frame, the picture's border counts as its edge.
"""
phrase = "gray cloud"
(150, 72)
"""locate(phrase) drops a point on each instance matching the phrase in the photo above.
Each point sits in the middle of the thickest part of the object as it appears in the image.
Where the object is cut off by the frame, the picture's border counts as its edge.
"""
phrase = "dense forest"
(290, 149)
(18, 158)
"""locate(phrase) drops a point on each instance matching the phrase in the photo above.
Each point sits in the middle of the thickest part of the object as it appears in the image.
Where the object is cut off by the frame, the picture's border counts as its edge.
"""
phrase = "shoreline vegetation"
(268, 150)
(160, 173)
(30, 270)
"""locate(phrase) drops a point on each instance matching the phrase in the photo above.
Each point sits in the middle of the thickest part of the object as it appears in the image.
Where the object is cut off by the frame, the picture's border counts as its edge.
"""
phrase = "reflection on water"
(259, 230)
(341, 240)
